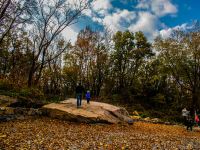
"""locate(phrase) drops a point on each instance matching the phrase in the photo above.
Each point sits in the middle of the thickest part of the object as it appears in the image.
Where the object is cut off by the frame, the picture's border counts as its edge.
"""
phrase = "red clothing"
(196, 118)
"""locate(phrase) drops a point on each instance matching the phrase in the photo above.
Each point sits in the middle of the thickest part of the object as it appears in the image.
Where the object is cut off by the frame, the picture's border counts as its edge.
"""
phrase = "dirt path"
(46, 133)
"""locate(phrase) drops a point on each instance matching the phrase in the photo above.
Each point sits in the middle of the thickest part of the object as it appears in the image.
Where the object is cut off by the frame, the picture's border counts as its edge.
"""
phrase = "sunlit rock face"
(95, 112)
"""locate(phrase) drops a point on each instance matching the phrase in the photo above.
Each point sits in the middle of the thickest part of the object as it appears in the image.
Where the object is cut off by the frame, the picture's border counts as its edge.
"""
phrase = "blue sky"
(153, 17)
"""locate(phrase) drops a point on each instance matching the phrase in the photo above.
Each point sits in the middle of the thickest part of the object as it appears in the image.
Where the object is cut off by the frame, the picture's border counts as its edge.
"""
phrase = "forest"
(158, 78)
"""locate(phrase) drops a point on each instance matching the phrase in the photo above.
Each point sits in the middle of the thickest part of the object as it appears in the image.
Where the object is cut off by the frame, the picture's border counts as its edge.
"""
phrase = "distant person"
(198, 114)
(79, 92)
(185, 114)
(189, 122)
(88, 97)
(197, 118)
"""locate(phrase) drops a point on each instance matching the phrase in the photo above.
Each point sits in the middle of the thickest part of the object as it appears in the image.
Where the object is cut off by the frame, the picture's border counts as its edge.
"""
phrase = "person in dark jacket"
(189, 123)
(79, 92)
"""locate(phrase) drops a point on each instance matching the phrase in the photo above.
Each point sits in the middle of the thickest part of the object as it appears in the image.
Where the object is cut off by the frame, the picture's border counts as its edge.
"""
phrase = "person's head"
(184, 109)
(88, 91)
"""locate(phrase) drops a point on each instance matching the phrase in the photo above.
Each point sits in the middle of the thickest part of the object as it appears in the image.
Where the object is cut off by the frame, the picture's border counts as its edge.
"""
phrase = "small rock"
(136, 117)
(2, 108)
(147, 119)
(135, 113)
(29, 142)
(130, 121)
(167, 123)
(189, 147)
(9, 111)
(39, 112)
(2, 136)
(155, 120)
(31, 112)
(20, 117)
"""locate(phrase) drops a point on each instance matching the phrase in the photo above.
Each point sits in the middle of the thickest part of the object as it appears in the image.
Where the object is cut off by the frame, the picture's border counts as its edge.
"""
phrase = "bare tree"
(49, 19)
(12, 14)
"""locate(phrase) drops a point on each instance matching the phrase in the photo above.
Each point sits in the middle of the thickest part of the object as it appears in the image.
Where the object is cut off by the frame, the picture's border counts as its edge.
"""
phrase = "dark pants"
(189, 127)
(189, 124)
(79, 99)
(88, 100)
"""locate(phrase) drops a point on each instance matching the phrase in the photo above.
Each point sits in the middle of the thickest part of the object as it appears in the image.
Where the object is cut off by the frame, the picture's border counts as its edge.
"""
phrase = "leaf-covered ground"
(45, 133)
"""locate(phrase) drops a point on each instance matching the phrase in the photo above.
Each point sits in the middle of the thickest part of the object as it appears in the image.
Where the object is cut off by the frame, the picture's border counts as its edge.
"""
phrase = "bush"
(144, 115)
(5, 85)
(32, 93)
(116, 98)
(54, 98)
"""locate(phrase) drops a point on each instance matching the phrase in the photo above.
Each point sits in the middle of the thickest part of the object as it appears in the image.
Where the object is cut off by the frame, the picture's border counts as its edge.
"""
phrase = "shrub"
(5, 85)
(144, 114)
(116, 97)
(32, 93)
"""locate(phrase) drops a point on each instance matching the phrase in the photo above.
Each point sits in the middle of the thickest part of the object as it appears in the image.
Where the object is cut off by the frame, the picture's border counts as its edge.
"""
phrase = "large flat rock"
(95, 112)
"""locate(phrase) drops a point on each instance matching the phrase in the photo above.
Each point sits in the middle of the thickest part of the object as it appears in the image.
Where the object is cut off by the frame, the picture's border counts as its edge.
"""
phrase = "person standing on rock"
(79, 92)
(88, 97)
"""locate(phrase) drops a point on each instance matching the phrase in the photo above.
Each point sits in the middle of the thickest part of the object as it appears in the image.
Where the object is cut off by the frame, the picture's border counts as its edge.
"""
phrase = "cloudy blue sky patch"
(153, 17)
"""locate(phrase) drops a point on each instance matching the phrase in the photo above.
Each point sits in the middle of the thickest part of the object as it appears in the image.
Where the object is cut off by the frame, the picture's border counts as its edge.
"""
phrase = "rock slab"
(95, 112)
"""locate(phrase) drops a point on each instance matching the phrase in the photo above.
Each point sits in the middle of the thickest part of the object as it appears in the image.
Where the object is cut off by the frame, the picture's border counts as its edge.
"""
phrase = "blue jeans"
(79, 99)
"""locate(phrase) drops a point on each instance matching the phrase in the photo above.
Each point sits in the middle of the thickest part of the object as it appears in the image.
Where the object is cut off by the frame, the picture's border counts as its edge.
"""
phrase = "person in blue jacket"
(88, 97)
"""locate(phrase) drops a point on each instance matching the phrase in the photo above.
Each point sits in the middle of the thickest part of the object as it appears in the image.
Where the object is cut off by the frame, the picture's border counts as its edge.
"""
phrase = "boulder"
(95, 112)
(5, 101)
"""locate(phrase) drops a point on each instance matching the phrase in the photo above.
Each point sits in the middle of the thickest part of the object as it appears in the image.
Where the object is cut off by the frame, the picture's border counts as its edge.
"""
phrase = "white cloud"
(87, 12)
(145, 18)
(184, 26)
(158, 7)
(70, 34)
(163, 7)
(119, 20)
(146, 23)
(143, 4)
(166, 33)
(102, 7)
(96, 19)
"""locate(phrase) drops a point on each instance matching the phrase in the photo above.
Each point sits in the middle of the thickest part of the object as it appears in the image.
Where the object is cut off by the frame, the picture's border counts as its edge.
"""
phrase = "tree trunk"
(31, 74)
(41, 67)
(194, 100)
